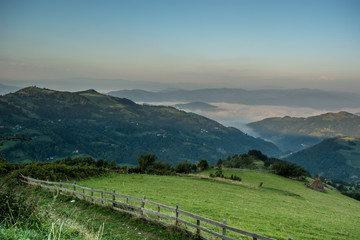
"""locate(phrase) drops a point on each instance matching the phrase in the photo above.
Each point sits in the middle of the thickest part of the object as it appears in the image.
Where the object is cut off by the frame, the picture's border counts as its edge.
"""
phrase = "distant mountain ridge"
(291, 133)
(337, 158)
(90, 123)
(4, 89)
(316, 99)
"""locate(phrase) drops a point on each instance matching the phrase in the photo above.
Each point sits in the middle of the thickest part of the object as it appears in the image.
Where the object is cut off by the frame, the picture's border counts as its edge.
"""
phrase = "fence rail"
(140, 211)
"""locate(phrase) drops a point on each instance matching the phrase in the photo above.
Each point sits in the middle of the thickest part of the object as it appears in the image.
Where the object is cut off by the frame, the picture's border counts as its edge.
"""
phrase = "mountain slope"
(298, 133)
(337, 158)
(317, 99)
(64, 123)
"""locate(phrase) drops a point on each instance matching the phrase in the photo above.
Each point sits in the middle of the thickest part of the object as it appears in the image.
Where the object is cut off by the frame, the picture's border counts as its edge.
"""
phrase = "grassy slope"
(80, 220)
(282, 208)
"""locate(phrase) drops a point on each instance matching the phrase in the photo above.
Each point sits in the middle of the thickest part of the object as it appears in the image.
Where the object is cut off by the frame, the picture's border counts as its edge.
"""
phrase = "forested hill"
(336, 158)
(90, 123)
(296, 133)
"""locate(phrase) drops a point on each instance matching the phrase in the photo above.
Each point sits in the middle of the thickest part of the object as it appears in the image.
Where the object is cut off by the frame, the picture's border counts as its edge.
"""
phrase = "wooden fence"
(127, 204)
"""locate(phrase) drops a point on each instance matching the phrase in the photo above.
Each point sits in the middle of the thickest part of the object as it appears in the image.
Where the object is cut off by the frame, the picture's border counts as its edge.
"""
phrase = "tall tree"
(145, 161)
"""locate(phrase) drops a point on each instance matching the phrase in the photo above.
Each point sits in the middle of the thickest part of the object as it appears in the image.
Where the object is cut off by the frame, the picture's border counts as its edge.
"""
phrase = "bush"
(145, 161)
(203, 165)
(235, 178)
(353, 194)
(288, 169)
(52, 171)
(185, 167)
(218, 172)
(6, 168)
(18, 209)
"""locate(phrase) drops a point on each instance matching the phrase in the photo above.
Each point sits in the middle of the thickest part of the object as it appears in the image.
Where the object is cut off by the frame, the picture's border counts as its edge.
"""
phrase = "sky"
(247, 44)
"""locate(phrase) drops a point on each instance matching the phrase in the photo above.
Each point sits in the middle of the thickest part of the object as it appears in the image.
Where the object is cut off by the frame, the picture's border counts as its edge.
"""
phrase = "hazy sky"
(225, 43)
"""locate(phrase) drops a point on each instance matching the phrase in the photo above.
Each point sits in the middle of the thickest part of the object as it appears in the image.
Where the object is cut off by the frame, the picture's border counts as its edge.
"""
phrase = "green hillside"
(89, 123)
(37, 215)
(281, 208)
(298, 133)
(337, 158)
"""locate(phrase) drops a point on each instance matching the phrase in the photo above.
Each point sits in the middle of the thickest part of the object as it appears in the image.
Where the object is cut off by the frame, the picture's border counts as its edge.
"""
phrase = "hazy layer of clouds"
(238, 115)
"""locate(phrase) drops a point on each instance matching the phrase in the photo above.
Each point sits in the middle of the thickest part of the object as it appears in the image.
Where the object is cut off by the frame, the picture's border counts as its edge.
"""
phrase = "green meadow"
(280, 209)
(39, 214)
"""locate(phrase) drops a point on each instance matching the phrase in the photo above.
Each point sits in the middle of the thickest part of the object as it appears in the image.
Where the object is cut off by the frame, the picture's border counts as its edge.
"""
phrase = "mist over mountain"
(197, 106)
(316, 99)
(292, 134)
(4, 89)
(90, 123)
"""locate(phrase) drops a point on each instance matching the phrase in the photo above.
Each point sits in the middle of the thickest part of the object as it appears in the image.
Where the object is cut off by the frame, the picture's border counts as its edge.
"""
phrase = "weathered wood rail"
(113, 200)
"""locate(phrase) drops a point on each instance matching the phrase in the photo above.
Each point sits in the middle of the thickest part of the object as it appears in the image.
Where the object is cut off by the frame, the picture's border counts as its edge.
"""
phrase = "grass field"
(281, 208)
(66, 218)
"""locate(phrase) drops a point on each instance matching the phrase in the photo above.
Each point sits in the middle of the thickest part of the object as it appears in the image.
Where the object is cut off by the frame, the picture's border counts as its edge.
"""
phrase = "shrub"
(218, 172)
(203, 164)
(18, 209)
(288, 169)
(353, 194)
(185, 167)
(52, 171)
(235, 178)
(145, 161)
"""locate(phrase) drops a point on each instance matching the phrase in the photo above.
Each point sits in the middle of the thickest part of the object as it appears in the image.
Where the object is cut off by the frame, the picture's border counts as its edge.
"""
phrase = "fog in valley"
(239, 115)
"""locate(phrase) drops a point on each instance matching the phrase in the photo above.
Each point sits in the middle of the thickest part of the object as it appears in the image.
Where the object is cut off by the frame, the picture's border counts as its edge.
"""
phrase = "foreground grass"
(65, 217)
(281, 208)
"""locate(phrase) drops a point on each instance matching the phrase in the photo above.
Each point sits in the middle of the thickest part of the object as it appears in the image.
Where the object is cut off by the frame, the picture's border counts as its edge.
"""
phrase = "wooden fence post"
(102, 196)
(142, 205)
(113, 197)
(60, 187)
(92, 194)
(74, 187)
(224, 229)
(177, 214)
(198, 230)
(84, 194)
(158, 217)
